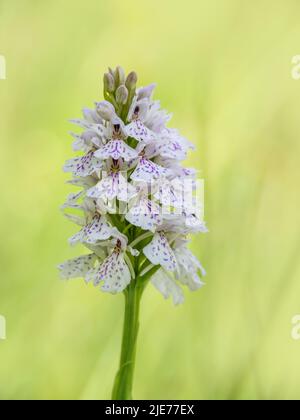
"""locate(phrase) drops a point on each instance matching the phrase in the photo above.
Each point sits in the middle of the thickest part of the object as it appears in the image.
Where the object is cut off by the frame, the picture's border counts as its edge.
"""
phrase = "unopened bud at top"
(131, 80)
(110, 70)
(122, 95)
(119, 76)
(109, 83)
(106, 110)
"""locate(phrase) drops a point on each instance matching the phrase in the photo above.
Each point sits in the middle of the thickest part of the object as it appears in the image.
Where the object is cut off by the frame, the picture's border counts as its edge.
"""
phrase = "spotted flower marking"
(86, 141)
(175, 170)
(113, 272)
(113, 186)
(183, 224)
(173, 146)
(147, 171)
(159, 252)
(173, 150)
(97, 129)
(116, 149)
(82, 166)
(137, 114)
(140, 132)
(97, 230)
(145, 214)
(77, 267)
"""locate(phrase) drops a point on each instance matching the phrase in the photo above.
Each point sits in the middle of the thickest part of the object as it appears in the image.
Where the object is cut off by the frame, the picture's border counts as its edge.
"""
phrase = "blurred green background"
(223, 67)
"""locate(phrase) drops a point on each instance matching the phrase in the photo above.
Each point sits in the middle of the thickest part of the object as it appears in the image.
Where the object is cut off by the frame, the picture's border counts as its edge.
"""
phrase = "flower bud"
(131, 80)
(109, 83)
(106, 110)
(119, 76)
(122, 95)
(110, 70)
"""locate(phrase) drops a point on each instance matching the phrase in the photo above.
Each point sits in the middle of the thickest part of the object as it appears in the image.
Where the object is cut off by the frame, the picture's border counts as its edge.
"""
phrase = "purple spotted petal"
(140, 132)
(82, 166)
(159, 252)
(77, 267)
(148, 171)
(145, 214)
(114, 273)
(116, 149)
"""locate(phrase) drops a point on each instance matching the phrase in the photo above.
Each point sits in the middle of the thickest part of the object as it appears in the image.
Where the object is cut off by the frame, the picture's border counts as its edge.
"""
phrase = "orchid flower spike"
(133, 191)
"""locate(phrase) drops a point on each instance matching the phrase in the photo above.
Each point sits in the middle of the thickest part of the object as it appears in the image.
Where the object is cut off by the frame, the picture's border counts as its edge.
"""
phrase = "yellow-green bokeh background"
(223, 67)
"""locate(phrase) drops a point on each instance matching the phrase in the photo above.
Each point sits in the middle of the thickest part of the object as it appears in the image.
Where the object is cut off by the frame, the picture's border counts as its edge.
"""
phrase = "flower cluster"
(136, 201)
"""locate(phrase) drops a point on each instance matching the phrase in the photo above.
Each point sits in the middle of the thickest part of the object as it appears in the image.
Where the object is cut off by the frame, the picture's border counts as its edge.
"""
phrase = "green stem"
(122, 389)
(141, 238)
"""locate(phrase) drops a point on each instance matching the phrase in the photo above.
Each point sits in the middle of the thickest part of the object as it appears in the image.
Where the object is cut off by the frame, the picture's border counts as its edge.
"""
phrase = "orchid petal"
(159, 252)
(77, 267)
(140, 132)
(114, 272)
(116, 149)
(145, 214)
(167, 286)
(147, 171)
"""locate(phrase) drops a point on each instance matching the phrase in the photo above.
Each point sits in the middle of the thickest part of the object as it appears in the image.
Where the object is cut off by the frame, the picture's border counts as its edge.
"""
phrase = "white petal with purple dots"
(77, 267)
(113, 186)
(113, 273)
(145, 214)
(116, 149)
(148, 171)
(83, 166)
(159, 252)
(97, 230)
(137, 130)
